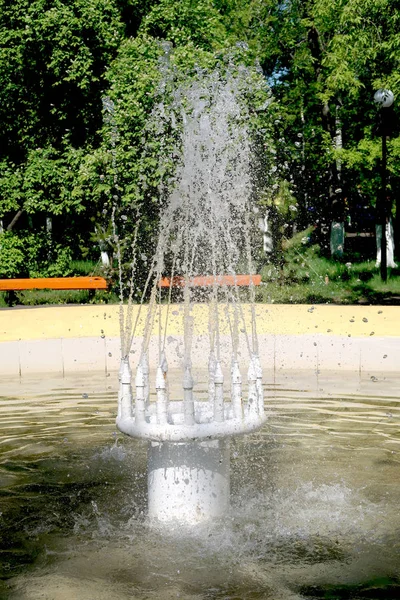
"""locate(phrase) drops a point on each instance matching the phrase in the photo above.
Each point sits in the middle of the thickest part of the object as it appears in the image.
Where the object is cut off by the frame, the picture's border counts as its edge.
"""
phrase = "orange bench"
(50, 283)
(54, 283)
(208, 280)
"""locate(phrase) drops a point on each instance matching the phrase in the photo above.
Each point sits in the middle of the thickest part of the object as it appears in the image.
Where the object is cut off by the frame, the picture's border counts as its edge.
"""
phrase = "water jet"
(204, 239)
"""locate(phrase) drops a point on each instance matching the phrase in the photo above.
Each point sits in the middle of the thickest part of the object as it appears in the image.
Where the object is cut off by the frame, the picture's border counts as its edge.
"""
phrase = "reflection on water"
(315, 499)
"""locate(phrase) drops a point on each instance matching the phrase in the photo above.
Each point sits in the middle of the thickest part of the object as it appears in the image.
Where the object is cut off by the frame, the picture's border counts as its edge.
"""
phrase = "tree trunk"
(15, 219)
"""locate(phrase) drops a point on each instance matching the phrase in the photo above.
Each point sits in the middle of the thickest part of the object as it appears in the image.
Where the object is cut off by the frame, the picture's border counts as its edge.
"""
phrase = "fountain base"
(188, 482)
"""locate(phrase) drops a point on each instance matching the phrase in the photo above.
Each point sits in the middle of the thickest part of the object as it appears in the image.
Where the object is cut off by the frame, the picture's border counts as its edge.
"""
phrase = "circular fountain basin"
(314, 498)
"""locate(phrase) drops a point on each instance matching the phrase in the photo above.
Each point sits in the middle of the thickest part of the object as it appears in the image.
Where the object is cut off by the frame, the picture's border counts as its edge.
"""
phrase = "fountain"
(204, 242)
(314, 499)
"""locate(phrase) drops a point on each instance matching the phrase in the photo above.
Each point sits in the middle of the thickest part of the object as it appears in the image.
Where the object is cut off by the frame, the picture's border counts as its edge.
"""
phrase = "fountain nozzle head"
(252, 372)
(139, 380)
(218, 375)
(187, 380)
(235, 373)
(125, 371)
(161, 384)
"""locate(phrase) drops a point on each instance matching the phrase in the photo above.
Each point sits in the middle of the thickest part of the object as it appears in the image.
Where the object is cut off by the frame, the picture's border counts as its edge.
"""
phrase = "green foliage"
(32, 255)
(186, 22)
(60, 157)
(53, 58)
(307, 277)
(12, 256)
(54, 297)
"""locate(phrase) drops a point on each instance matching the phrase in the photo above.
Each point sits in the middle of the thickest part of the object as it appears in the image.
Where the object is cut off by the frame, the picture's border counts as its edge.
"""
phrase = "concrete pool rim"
(66, 339)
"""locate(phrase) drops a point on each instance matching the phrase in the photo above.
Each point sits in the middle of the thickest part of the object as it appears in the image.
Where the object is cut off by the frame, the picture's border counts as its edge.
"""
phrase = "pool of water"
(315, 499)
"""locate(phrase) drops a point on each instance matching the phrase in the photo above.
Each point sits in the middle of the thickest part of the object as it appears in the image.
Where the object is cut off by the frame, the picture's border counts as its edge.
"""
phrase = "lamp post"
(384, 99)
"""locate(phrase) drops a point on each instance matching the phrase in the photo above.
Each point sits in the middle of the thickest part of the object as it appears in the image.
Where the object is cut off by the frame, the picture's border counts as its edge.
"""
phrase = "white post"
(162, 401)
(219, 393)
(236, 382)
(389, 245)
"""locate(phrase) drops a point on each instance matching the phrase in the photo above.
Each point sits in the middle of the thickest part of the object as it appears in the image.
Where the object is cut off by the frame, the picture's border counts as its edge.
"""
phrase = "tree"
(53, 57)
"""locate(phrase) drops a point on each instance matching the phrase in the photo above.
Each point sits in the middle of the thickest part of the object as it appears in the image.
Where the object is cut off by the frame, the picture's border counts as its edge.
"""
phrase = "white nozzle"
(235, 373)
(219, 413)
(257, 366)
(188, 402)
(162, 400)
(236, 382)
(187, 380)
(125, 394)
(121, 368)
(145, 368)
(139, 380)
(164, 363)
(252, 373)
(161, 384)
(218, 375)
(125, 372)
(260, 391)
(211, 364)
(252, 404)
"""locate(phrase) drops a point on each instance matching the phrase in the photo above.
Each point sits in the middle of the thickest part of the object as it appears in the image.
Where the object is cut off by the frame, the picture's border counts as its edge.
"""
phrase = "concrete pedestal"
(188, 481)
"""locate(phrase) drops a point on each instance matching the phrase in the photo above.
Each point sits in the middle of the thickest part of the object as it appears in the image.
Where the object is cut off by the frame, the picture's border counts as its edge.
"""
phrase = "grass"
(306, 277)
